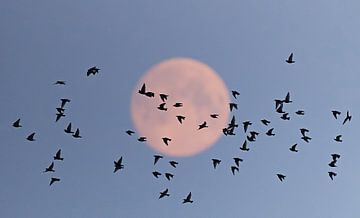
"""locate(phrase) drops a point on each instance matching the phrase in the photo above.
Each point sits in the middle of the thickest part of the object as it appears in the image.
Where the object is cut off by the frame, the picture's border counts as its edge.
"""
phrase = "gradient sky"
(246, 42)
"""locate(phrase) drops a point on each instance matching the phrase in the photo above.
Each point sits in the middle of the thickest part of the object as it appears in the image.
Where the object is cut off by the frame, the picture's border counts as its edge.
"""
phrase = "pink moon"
(201, 91)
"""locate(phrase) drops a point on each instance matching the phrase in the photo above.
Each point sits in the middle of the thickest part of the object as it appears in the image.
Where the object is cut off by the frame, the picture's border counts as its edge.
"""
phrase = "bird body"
(180, 118)
(164, 193)
(50, 168)
(166, 140)
(173, 163)
(53, 180)
(162, 107)
(118, 164)
(270, 132)
(281, 177)
(188, 199)
(215, 162)
(17, 124)
(77, 134)
(290, 59)
(157, 158)
(203, 125)
(31, 137)
(293, 148)
(235, 93)
(93, 70)
(58, 155)
(68, 129)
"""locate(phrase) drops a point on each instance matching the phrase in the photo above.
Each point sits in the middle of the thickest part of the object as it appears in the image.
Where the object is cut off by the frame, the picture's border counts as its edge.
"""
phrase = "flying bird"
(162, 107)
(232, 106)
(278, 103)
(118, 164)
(173, 163)
(265, 122)
(157, 158)
(287, 98)
(335, 157)
(164, 193)
(280, 109)
(203, 125)
(77, 134)
(235, 93)
(333, 163)
(169, 176)
(332, 175)
(60, 82)
(270, 132)
(233, 169)
(166, 140)
(300, 112)
(306, 139)
(303, 131)
(246, 125)
(281, 177)
(50, 168)
(336, 114)
(214, 116)
(53, 180)
(68, 129)
(156, 174)
(130, 132)
(93, 70)
(237, 161)
(180, 118)
(338, 138)
(290, 59)
(347, 118)
(178, 104)
(17, 124)
(163, 97)
(215, 162)
(58, 155)
(64, 101)
(285, 116)
(232, 123)
(31, 137)
(293, 148)
(244, 146)
(142, 139)
(188, 199)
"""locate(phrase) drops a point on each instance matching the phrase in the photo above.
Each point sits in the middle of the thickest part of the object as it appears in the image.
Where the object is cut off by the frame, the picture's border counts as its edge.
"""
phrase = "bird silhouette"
(164, 193)
(281, 177)
(169, 176)
(130, 132)
(293, 148)
(162, 107)
(338, 138)
(336, 114)
(31, 137)
(118, 164)
(251, 138)
(142, 91)
(347, 118)
(203, 125)
(58, 155)
(335, 157)
(53, 180)
(93, 70)
(233, 169)
(303, 131)
(68, 129)
(173, 163)
(64, 101)
(215, 162)
(166, 140)
(180, 118)
(280, 109)
(300, 112)
(188, 199)
(285, 116)
(17, 124)
(156, 174)
(237, 161)
(333, 163)
(232, 123)
(287, 98)
(58, 116)
(178, 104)
(244, 146)
(60, 82)
(290, 59)
(235, 93)
(214, 116)
(77, 134)
(332, 175)
(278, 103)
(232, 106)
(270, 132)
(50, 168)
(246, 124)
(306, 139)
(142, 139)
(265, 122)
(163, 97)
(157, 158)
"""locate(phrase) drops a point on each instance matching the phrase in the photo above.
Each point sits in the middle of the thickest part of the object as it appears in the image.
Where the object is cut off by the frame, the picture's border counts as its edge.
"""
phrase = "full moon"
(200, 90)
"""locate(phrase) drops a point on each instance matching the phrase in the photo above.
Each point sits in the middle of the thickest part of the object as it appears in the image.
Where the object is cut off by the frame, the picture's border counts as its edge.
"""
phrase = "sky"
(245, 42)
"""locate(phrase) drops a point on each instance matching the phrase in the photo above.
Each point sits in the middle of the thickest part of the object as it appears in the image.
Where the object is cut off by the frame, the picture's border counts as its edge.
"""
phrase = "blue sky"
(246, 42)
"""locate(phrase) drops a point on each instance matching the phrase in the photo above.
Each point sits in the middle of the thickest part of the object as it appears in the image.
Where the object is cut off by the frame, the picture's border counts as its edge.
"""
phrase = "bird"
(142, 91)
(347, 118)
(251, 138)
(253, 133)
(60, 82)
(173, 163)
(178, 104)
(118, 164)
(232, 123)
(17, 124)
(280, 109)
(232, 106)
(338, 138)
(163, 97)
(306, 138)
(93, 70)
(278, 103)
(53, 180)
(188, 199)
(265, 122)
(336, 113)
(332, 175)
(130, 132)
(58, 155)
(246, 124)
(300, 112)
(303, 131)
(162, 107)
(203, 125)
(142, 139)
(68, 129)
(180, 118)
(214, 116)
(64, 101)
(293, 148)
(77, 134)
(215, 162)
(270, 132)
(166, 140)
(335, 157)
(156, 174)
(235, 93)
(285, 116)
(157, 158)
(333, 163)
(58, 116)
(31, 137)
(233, 169)
(164, 193)
(244, 146)
(169, 176)
(287, 98)
(237, 161)
(290, 59)
(281, 177)
(50, 168)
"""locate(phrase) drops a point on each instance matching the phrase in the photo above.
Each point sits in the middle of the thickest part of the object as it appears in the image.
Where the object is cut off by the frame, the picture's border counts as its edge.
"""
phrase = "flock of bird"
(229, 130)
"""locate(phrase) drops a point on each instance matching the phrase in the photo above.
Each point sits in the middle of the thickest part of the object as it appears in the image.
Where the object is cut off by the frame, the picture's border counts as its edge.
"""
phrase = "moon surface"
(201, 91)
